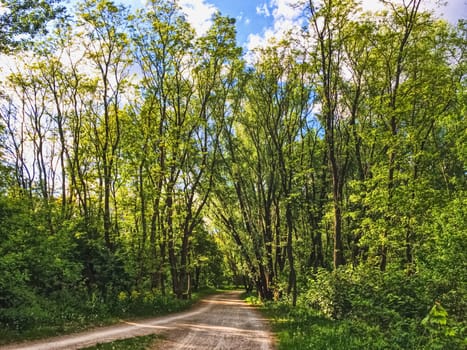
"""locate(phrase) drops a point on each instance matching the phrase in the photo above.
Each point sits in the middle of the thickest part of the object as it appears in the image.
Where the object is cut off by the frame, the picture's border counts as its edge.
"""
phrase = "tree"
(408, 114)
(22, 20)
(186, 83)
(328, 26)
(260, 151)
(279, 97)
(106, 49)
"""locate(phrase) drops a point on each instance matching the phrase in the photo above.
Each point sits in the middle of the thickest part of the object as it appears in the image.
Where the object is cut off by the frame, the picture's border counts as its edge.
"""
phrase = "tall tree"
(186, 83)
(280, 99)
(163, 41)
(106, 49)
(328, 31)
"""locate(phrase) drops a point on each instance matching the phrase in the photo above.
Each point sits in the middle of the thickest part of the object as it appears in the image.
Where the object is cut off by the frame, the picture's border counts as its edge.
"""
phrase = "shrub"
(329, 293)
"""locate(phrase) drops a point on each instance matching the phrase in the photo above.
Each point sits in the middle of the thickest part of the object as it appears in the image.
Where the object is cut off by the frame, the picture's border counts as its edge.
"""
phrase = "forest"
(326, 173)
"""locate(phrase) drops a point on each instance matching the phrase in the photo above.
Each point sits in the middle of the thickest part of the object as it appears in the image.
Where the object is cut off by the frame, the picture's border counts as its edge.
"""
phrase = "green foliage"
(34, 265)
(23, 19)
(330, 172)
(302, 327)
(393, 302)
(329, 293)
(137, 343)
(442, 332)
(147, 303)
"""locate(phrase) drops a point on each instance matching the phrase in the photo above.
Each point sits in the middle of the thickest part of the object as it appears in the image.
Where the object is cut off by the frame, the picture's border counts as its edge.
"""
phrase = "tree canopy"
(22, 20)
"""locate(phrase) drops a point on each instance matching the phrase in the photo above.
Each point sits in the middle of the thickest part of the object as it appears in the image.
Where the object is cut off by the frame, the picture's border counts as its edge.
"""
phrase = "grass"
(136, 343)
(302, 328)
(50, 330)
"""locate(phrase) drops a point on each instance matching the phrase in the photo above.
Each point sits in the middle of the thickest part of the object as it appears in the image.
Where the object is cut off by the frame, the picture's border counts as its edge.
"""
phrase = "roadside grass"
(302, 328)
(61, 319)
(136, 343)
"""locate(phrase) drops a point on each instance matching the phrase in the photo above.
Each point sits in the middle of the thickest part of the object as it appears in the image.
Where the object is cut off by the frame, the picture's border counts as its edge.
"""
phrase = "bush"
(329, 293)
(136, 303)
(393, 301)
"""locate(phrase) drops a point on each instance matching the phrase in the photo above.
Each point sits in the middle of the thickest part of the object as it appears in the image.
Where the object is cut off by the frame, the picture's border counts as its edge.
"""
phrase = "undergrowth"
(57, 316)
(344, 310)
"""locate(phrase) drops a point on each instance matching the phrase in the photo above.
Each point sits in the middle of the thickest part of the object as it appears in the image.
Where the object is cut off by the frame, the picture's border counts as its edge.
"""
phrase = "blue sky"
(249, 21)
(252, 16)
(259, 20)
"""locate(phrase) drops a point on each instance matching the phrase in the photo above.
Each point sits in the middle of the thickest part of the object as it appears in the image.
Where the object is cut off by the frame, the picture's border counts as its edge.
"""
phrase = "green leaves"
(436, 317)
(24, 19)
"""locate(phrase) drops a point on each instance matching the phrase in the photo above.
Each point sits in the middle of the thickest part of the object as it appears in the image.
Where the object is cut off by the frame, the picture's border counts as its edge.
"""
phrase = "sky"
(259, 20)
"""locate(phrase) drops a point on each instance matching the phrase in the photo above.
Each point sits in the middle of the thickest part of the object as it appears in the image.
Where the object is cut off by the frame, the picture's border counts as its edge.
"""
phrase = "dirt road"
(222, 321)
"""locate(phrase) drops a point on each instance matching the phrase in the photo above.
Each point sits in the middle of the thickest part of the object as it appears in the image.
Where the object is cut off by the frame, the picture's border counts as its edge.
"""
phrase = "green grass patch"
(136, 343)
(302, 328)
(46, 330)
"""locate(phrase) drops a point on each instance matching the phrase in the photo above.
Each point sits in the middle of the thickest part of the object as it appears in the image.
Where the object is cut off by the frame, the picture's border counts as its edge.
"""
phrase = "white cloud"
(285, 9)
(263, 10)
(286, 17)
(452, 12)
(3, 9)
(7, 65)
(198, 14)
(371, 5)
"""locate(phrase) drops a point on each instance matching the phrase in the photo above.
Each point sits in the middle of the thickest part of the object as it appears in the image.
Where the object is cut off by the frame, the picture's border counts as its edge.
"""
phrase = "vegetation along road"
(222, 321)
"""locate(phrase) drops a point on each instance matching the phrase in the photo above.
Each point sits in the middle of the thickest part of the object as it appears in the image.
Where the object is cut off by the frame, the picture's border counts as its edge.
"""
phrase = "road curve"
(222, 321)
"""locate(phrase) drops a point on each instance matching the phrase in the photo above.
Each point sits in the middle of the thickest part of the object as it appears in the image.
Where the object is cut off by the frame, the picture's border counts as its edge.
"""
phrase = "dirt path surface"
(220, 322)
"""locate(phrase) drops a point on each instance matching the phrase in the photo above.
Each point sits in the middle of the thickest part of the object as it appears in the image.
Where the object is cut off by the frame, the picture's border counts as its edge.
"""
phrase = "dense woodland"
(141, 161)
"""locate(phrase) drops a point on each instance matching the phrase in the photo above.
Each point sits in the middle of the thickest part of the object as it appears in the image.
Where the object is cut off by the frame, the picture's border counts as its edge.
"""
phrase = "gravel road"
(222, 321)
